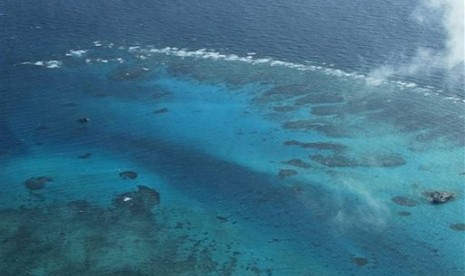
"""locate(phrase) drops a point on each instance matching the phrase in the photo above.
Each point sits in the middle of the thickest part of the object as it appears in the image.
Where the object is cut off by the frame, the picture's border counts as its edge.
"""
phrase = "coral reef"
(316, 145)
(404, 201)
(438, 197)
(37, 183)
(128, 175)
(140, 201)
(286, 173)
(457, 226)
(297, 163)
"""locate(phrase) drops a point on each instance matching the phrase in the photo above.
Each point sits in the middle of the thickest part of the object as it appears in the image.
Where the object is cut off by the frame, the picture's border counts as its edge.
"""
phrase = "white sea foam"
(375, 78)
(76, 53)
(48, 64)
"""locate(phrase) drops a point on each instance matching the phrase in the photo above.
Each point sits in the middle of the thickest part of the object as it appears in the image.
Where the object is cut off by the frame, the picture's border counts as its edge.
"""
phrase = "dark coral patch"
(360, 261)
(334, 161)
(128, 175)
(325, 110)
(438, 197)
(323, 127)
(384, 160)
(160, 110)
(79, 206)
(297, 163)
(37, 183)
(140, 201)
(318, 145)
(457, 226)
(284, 108)
(286, 173)
(404, 213)
(128, 74)
(404, 201)
(85, 155)
(319, 99)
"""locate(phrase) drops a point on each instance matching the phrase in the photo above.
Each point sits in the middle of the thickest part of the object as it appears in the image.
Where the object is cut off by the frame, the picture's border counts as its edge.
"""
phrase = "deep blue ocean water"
(262, 140)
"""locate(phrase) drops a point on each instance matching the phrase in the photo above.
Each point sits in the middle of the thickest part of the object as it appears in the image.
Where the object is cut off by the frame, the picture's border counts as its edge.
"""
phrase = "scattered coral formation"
(85, 155)
(404, 201)
(297, 163)
(457, 226)
(339, 160)
(284, 108)
(320, 126)
(360, 261)
(129, 74)
(438, 197)
(37, 183)
(80, 238)
(286, 173)
(138, 202)
(316, 145)
(319, 99)
(128, 175)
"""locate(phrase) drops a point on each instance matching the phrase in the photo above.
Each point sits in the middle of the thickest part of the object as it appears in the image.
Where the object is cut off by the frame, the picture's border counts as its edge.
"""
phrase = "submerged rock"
(128, 175)
(140, 201)
(297, 163)
(438, 197)
(404, 201)
(83, 120)
(360, 261)
(457, 226)
(79, 206)
(286, 173)
(85, 155)
(37, 183)
(161, 110)
(404, 213)
(334, 161)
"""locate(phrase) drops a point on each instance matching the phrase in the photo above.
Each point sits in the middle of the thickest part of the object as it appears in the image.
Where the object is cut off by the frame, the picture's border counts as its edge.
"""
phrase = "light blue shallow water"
(262, 166)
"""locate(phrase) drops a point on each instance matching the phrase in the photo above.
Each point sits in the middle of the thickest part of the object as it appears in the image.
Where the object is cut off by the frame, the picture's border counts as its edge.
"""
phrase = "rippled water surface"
(165, 138)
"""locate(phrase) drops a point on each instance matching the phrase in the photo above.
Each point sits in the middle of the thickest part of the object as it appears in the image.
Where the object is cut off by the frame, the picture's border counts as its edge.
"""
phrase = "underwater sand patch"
(297, 163)
(37, 183)
(457, 226)
(360, 261)
(404, 201)
(286, 173)
(128, 175)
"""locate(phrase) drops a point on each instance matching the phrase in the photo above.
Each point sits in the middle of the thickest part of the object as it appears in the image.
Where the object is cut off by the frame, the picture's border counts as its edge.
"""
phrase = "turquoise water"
(263, 168)
(242, 138)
